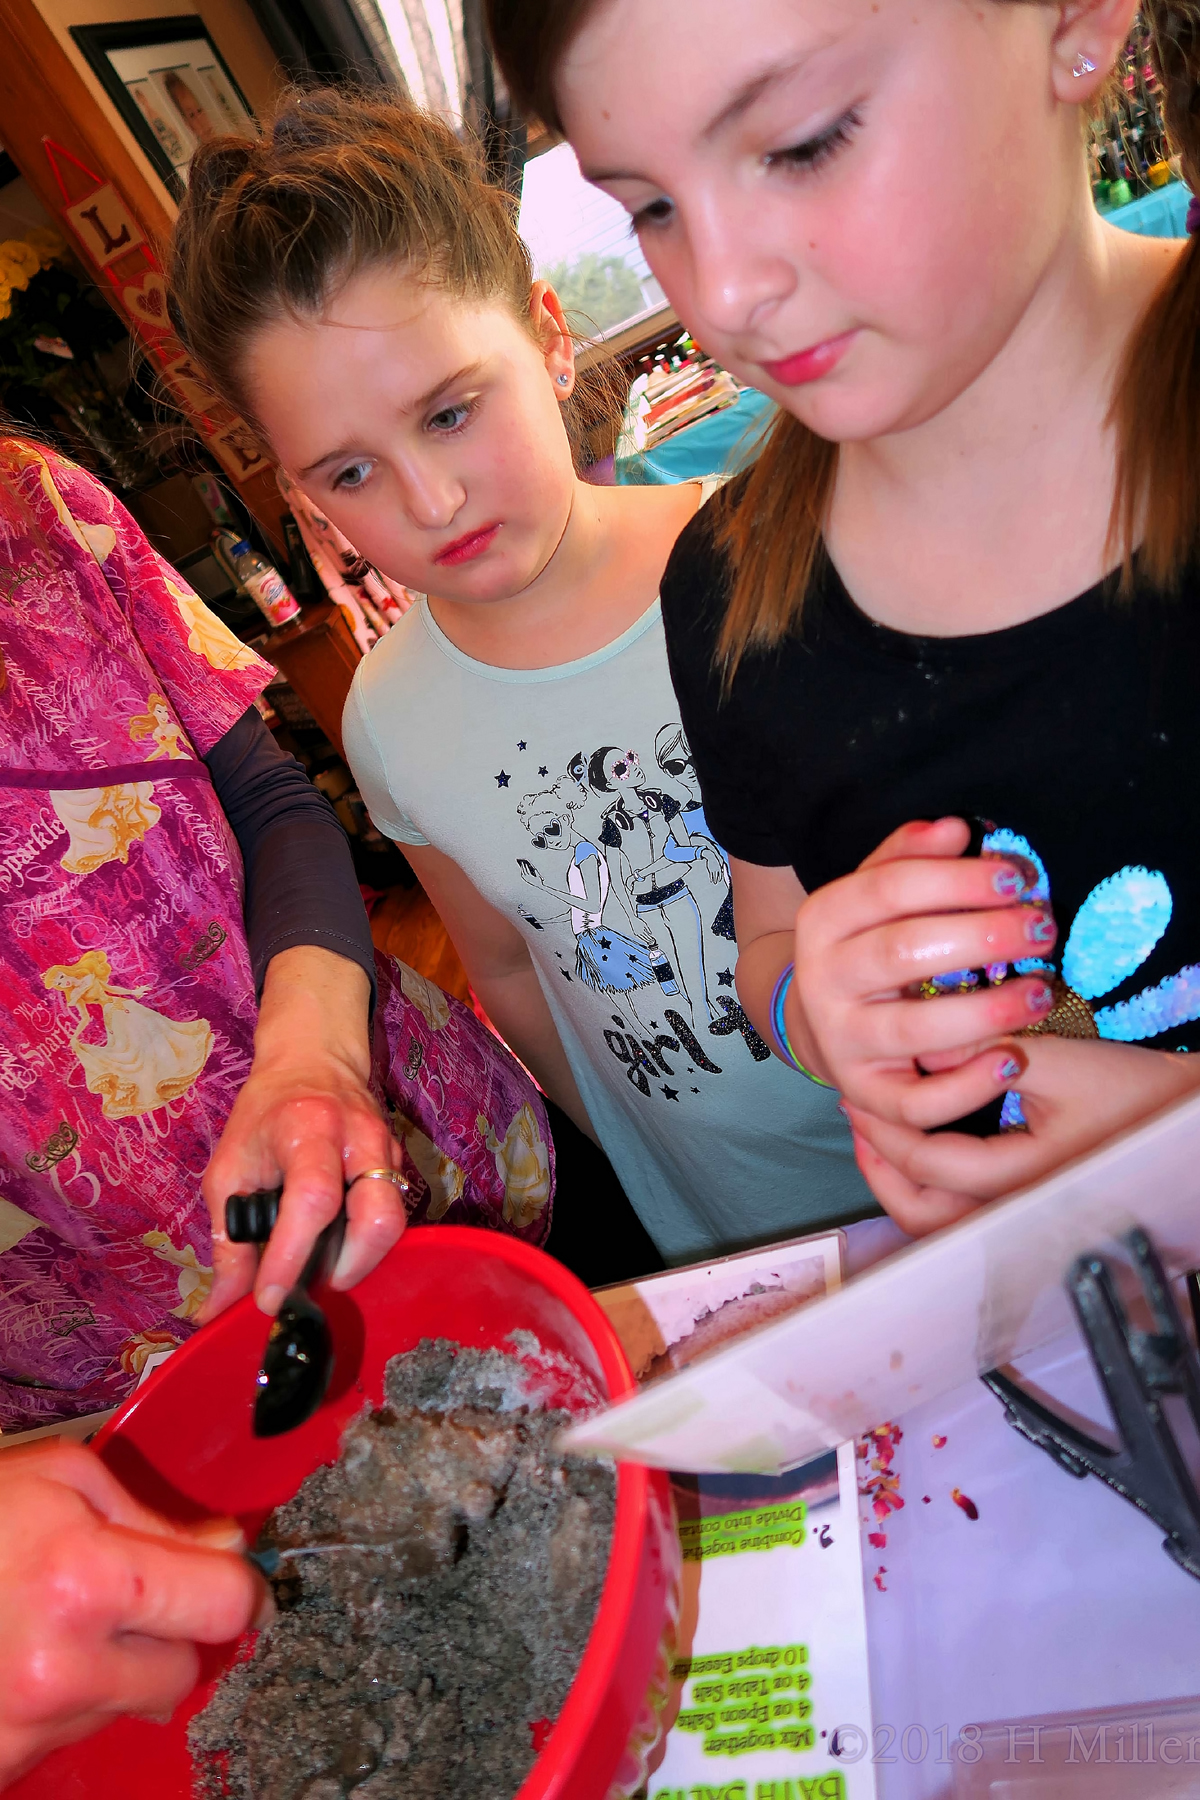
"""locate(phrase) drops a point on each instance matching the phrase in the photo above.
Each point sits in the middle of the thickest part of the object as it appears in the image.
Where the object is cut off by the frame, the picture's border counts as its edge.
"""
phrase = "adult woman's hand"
(102, 1602)
(305, 1119)
(863, 946)
(1074, 1096)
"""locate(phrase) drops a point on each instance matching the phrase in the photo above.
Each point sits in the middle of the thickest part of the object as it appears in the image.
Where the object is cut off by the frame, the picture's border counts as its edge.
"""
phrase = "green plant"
(596, 291)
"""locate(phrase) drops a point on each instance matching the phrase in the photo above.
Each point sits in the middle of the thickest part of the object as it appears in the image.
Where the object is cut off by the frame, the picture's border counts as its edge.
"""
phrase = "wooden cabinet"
(317, 656)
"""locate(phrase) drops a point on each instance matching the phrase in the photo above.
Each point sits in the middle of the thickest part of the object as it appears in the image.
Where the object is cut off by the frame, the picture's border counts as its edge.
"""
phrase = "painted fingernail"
(1041, 998)
(270, 1301)
(1040, 928)
(1010, 1069)
(1008, 881)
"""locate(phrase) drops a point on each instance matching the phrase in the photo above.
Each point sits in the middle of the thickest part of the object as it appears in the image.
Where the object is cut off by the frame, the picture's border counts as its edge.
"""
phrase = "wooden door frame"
(44, 97)
(42, 94)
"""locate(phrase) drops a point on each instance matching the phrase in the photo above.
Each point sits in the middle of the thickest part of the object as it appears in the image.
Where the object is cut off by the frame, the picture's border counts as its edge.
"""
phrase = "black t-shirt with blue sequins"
(1077, 733)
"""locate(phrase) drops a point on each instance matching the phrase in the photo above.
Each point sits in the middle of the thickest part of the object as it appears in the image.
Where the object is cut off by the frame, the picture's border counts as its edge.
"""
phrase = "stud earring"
(1083, 65)
(563, 380)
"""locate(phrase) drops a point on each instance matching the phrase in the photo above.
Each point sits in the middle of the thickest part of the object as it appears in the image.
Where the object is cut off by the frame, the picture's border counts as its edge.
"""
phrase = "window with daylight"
(581, 243)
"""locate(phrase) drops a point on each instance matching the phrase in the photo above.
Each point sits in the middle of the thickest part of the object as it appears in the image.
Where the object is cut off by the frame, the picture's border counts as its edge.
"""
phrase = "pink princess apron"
(127, 1005)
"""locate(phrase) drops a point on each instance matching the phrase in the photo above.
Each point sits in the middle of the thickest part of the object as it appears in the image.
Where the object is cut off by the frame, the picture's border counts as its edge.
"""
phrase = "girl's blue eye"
(353, 476)
(451, 418)
(815, 152)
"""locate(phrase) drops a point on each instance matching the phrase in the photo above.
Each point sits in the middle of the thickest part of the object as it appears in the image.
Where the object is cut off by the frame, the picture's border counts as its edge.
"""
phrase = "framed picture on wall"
(170, 84)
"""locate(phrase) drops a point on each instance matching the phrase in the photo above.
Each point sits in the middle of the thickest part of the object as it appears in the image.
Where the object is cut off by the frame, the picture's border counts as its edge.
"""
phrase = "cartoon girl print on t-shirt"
(640, 827)
(643, 873)
(673, 754)
(607, 960)
(145, 1059)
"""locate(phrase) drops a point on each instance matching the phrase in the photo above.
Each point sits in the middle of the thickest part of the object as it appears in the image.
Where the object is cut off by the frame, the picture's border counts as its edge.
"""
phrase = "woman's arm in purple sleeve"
(300, 882)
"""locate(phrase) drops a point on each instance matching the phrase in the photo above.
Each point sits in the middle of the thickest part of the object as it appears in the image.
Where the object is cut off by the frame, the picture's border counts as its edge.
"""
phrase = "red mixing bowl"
(184, 1445)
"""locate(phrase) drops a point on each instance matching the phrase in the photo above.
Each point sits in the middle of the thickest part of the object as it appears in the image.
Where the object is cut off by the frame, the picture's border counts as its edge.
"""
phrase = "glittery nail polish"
(1040, 928)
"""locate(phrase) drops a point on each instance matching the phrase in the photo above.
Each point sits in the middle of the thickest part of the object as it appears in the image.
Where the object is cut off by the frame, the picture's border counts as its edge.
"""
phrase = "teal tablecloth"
(718, 445)
(1160, 214)
(726, 441)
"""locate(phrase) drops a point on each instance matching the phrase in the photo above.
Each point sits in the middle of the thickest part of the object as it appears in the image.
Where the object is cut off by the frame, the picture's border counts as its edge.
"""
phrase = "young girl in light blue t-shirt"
(368, 302)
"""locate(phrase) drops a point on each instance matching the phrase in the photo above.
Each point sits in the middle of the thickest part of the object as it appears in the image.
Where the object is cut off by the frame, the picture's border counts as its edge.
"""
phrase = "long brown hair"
(338, 182)
(774, 531)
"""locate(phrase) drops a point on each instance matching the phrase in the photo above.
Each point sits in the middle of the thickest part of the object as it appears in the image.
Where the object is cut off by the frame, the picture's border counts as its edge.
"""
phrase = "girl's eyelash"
(808, 157)
(815, 152)
(644, 218)
(339, 480)
(465, 407)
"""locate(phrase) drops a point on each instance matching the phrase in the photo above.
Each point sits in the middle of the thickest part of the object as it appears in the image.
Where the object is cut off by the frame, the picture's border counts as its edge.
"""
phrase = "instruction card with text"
(772, 1675)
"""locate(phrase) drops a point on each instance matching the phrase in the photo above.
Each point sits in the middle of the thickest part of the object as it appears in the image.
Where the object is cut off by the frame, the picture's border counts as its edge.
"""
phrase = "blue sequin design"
(1112, 935)
(1175, 1001)
(1115, 930)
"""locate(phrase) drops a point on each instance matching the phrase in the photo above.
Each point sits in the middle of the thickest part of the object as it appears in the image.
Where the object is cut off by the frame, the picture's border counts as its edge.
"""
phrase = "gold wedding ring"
(393, 1175)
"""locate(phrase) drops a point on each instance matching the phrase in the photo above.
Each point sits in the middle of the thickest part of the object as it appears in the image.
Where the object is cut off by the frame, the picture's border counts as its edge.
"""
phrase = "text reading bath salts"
(773, 1674)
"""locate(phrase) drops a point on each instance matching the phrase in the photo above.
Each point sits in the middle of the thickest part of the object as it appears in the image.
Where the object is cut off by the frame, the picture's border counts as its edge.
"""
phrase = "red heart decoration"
(148, 301)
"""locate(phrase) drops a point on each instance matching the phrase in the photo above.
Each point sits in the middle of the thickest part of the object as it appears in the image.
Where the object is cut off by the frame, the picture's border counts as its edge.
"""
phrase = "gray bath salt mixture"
(420, 1665)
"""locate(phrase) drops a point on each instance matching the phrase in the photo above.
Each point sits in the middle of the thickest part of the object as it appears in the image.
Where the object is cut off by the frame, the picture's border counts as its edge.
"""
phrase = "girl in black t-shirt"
(958, 586)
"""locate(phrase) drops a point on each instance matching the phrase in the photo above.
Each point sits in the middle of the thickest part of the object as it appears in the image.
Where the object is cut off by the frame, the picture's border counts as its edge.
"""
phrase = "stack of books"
(669, 400)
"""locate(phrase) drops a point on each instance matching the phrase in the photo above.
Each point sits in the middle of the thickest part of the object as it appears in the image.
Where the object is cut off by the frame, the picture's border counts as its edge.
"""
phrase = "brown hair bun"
(339, 181)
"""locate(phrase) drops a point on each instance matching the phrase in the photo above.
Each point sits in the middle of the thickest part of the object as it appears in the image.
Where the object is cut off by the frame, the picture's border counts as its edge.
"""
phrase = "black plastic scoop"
(298, 1360)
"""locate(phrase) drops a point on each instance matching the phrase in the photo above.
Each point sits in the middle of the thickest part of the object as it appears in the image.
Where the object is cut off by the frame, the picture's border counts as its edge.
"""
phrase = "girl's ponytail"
(341, 181)
(1156, 406)
(774, 534)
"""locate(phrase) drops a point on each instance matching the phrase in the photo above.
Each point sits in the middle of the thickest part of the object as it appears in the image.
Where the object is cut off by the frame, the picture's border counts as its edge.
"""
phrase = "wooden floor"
(404, 925)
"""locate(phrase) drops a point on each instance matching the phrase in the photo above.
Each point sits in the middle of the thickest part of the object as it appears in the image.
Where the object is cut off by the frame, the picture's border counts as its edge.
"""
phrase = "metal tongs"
(298, 1360)
(1138, 1370)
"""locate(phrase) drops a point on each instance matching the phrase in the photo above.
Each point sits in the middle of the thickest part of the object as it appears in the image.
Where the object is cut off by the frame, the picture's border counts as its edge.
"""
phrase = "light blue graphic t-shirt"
(567, 796)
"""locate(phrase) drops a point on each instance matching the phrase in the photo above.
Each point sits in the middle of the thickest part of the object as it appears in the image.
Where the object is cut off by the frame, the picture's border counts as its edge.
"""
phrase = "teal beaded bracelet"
(779, 1029)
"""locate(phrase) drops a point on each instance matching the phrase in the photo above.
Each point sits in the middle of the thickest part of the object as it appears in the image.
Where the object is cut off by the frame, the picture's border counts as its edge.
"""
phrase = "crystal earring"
(563, 380)
(1083, 65)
